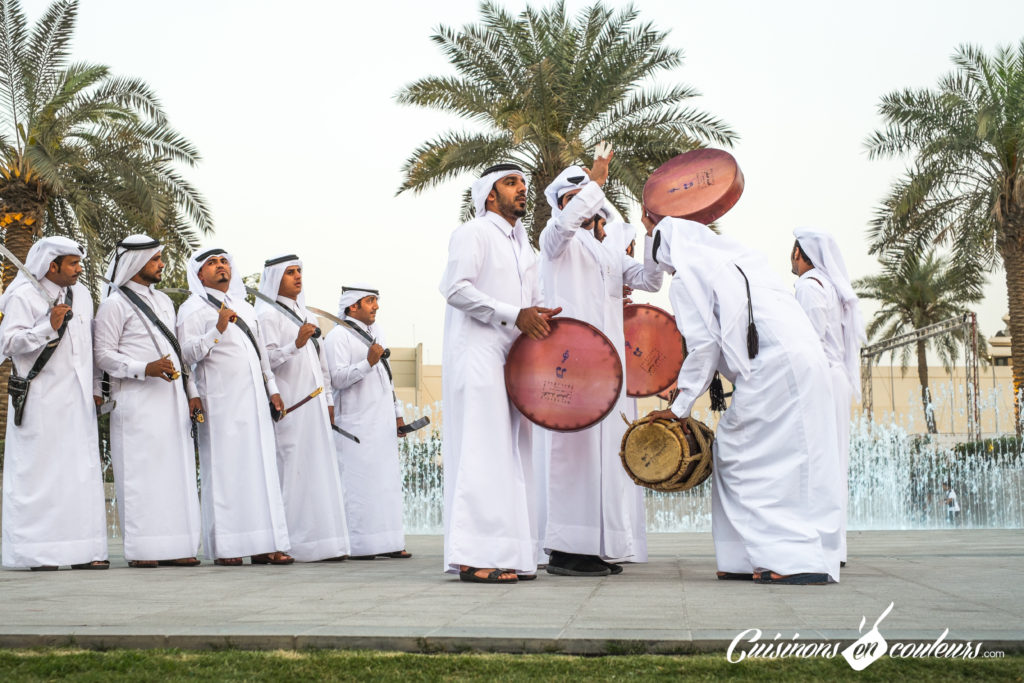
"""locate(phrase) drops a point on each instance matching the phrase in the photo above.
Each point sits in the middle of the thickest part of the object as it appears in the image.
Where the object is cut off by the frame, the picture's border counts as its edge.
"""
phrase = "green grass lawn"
(239, 665)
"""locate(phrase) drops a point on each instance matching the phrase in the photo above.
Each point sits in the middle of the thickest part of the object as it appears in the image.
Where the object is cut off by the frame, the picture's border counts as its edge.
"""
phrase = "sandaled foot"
(339, 558)
(272, 558)
(397, 555)
(572, 564)
(45, 568)
(228, 562)
(803, 579)
(734, 576)
(142, 564)
(97, 564)
(181, 562)
(488, 575)
(526, 577)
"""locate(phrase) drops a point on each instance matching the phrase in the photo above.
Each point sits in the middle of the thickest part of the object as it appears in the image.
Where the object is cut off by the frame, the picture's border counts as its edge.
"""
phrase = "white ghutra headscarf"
(38, 261)
(822, 250)
(270, 280)
(483, 185)
(130, 255)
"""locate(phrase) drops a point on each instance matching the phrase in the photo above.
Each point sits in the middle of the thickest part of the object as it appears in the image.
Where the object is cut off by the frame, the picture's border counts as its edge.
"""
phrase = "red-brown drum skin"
(701, 185)
(566, 382)
(654, 350)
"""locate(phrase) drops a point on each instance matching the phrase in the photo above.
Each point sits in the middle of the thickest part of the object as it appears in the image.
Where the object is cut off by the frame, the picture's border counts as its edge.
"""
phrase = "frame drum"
(654, 350)
(700, 186)
(568, 381)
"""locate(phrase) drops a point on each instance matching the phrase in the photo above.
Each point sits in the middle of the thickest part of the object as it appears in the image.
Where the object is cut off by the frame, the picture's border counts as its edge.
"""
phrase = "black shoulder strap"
(51, 346)
(368, 340)
(811, 277)
(300, 321)
(155, 319)
(241, 325)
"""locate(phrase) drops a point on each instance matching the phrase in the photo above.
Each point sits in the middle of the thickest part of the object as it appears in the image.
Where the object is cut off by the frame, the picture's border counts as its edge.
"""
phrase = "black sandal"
(805, 579)
(397, 555)
(469, 575)
(734, 576)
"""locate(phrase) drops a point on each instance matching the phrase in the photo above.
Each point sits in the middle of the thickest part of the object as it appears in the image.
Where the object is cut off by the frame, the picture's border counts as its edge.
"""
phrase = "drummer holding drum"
(776, 500)
(595, 513)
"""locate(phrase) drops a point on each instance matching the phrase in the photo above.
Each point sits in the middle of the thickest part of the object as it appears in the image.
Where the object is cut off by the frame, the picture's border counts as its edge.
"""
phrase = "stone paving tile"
(674, 602)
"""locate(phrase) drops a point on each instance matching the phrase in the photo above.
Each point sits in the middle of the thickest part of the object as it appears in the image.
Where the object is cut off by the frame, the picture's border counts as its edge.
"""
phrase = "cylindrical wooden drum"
(659, 456)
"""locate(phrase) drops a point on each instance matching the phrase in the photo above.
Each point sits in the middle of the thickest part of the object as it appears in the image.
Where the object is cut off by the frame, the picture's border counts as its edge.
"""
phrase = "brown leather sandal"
(142, 564)
(228, 562)
(272, 558)
(181, 562)
(96, 564)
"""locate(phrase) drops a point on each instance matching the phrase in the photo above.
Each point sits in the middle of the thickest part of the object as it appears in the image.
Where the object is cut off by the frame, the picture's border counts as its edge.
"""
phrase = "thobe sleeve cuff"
(398, 408)
(505, 315)
(190, 388)
(44, 332)
(209, 340)
(682, 406)
(272, 387)
(135, 369)
(330, 396)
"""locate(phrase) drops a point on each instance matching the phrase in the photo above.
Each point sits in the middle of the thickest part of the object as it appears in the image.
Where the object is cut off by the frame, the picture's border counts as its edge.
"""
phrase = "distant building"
(999, 345)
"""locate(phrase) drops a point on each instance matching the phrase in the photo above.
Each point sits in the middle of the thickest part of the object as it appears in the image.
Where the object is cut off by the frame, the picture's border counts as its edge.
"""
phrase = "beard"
(511, 207)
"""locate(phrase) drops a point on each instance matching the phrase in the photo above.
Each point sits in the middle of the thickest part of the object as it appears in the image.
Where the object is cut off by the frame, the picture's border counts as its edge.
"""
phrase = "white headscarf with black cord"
(129, 257)
(270, 280)
(351, 294)
(483, 185)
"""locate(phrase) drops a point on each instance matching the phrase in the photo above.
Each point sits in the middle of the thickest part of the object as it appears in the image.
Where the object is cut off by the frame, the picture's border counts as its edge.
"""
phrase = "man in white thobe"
(775, 508)
(365, 406)
(595, 514)
(493, 293)
(53, 504)
(310, 483)
(827, 297)
(220, 335)
(150, 445)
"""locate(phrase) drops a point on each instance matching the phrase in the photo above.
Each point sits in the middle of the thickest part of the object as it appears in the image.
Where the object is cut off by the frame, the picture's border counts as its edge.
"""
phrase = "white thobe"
(150, 445)
(54, 511)
(775, 482)
(489, 492)
(371, 476)
(817, 296)
(310, 484)
(593, 507)
(242, 510)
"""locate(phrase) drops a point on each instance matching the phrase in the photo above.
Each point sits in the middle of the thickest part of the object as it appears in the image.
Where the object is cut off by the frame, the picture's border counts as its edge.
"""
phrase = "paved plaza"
(965, 580)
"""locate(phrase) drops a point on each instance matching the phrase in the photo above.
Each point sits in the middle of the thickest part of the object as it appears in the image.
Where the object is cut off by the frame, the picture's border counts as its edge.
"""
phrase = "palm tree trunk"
(922, 375)
(20, 224)
(1013, 265)
(541, 208)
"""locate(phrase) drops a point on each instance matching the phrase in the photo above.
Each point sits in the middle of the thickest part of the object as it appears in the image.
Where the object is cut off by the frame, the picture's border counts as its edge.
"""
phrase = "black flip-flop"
(735, 576)
(612, 567)
(396, 555)
(362, 557)
(469, 575)
(805, 579)
(45, 568)
(526, 577)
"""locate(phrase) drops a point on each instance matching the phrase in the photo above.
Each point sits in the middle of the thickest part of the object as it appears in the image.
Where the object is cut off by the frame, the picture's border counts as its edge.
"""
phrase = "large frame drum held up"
(659, 456)
(700, 186)
(654, 350)
(566, 382)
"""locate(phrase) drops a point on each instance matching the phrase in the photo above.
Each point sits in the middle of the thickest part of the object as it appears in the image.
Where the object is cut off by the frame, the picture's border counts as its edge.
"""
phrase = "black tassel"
(753, 344)
(717, 393)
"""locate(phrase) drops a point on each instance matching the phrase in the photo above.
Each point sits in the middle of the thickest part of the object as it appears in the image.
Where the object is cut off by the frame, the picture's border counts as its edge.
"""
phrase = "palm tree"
(84, 153)
(542, 89)
(965, 187)
(919, 290)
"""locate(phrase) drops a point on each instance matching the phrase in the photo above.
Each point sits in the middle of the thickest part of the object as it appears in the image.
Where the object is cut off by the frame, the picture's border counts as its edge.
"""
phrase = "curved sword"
(145, 321)
(291, 315)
